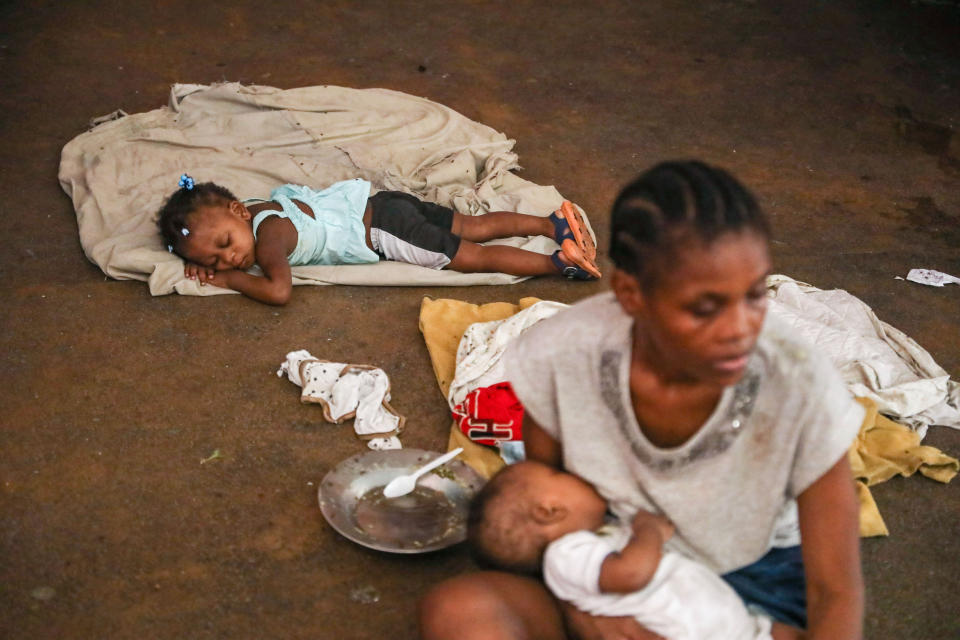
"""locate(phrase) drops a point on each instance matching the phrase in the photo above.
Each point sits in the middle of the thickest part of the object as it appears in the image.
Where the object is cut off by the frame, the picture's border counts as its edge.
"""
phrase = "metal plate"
(432, 517)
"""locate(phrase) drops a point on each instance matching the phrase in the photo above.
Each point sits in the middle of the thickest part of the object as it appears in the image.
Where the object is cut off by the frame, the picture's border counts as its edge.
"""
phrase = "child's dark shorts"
(407, 229)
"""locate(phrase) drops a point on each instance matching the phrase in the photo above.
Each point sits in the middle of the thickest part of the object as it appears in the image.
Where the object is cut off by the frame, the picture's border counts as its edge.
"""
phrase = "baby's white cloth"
(347, 391)
(483, 344)
(683, 601)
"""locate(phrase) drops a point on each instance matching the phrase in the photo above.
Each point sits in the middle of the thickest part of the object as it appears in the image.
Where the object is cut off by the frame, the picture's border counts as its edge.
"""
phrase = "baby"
(531, 518)
(221, 237)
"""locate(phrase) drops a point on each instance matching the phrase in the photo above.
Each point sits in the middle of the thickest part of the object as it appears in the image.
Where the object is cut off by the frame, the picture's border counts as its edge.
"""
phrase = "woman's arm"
(540, 445)
(829, 528)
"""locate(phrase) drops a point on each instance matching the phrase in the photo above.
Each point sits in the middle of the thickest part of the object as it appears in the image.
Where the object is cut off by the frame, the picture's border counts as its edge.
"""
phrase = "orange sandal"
(571, 251)
(581, 234)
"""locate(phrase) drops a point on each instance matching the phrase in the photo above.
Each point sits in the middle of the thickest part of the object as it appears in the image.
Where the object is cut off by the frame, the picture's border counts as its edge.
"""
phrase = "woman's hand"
(588, 627)
(540, 446)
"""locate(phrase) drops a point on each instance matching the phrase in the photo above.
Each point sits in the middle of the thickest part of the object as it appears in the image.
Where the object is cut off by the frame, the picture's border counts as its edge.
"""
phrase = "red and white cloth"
(490, 415)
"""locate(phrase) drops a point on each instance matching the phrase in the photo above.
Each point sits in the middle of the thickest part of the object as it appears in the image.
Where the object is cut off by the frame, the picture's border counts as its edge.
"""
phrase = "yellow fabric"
(871, 522)
(883, 449)
(442, 323)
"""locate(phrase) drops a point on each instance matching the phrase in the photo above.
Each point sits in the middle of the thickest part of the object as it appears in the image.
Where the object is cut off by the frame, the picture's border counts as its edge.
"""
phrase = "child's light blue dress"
(335, 235)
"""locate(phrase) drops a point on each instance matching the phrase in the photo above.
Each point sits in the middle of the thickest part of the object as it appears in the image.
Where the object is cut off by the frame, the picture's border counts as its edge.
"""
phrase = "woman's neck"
(669, 404)
(646, 355)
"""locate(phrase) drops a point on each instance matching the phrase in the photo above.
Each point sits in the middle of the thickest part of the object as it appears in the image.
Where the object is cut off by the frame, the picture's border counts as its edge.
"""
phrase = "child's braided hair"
(675, 202)
(172, 218)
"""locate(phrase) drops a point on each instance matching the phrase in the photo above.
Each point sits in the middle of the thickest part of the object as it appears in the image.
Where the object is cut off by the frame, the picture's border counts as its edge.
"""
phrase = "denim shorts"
(776, 584)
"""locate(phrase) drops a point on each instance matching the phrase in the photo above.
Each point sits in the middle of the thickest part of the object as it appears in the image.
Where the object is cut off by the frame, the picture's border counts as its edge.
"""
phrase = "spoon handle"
(433, 464)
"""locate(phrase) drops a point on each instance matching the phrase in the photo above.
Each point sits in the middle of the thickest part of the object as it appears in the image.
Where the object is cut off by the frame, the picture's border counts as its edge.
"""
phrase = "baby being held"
(532, 518)
(221, 237)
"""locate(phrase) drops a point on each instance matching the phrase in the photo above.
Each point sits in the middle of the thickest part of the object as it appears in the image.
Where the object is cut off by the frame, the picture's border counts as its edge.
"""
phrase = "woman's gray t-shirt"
(787, 422)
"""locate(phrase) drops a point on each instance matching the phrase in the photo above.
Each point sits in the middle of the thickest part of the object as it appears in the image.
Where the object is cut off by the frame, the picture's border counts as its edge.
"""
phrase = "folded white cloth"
(347, 391)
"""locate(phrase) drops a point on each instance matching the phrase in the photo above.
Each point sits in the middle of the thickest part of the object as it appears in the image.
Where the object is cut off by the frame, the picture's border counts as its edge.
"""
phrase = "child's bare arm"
(633, 567)
(260, 288)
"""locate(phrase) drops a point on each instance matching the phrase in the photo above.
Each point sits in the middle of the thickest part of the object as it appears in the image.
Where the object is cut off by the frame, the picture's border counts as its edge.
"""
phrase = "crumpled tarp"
(875, 360)
(251, 139)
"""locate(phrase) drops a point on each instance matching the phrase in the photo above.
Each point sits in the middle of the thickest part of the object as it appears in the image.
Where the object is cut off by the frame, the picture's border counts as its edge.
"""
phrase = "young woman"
(672, 394)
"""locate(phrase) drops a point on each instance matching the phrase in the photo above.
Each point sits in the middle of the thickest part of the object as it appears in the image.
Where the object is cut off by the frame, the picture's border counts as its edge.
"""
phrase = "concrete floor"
(842, 116)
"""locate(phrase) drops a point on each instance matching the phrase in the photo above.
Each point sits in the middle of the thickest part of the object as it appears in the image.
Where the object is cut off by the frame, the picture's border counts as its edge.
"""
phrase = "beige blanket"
(251, 139)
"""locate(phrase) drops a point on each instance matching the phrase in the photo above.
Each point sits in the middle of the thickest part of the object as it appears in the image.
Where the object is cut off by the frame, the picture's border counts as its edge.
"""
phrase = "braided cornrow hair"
(172, 219)
(672, 202)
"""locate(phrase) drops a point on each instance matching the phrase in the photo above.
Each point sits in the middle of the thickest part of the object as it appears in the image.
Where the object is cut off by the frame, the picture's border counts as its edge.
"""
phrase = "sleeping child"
(221, 237)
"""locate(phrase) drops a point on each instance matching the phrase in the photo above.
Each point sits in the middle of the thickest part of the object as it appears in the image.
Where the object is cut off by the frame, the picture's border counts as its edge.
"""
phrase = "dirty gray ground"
(842, 116)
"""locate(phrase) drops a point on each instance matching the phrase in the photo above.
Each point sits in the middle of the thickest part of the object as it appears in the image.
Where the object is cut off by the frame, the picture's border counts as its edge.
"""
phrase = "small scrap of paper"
(931, 277)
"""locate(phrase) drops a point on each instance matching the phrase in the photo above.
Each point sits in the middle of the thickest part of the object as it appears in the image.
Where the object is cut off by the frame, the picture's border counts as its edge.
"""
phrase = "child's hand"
(645, 519)
(221, 278)
(198, 272)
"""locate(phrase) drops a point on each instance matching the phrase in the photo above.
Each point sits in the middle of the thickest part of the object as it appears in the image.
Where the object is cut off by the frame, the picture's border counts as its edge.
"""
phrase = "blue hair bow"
(186, 182)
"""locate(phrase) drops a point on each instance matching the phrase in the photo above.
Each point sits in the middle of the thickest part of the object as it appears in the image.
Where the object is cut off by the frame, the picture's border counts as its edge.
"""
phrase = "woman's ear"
(238, 208)
(545, 513)
(627, 289)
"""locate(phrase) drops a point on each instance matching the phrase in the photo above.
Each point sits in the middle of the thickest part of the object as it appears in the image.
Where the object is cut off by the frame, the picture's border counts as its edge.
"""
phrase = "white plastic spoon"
(402, 485)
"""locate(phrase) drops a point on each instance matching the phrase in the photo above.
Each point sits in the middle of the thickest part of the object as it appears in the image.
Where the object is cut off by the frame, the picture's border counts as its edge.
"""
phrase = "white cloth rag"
(876, 360)
(347, 391)
(931, 277)
(482, 345)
